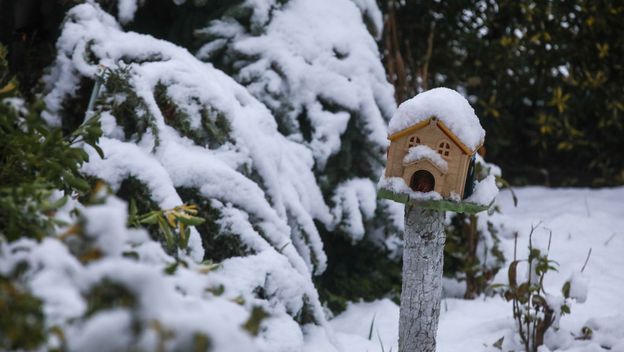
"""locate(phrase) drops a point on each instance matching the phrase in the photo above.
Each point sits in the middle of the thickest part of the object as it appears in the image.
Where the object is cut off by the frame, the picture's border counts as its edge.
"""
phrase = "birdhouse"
(433, 140)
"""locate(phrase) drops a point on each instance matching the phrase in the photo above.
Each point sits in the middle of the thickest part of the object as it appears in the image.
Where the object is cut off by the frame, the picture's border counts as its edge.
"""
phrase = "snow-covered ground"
(579, 219)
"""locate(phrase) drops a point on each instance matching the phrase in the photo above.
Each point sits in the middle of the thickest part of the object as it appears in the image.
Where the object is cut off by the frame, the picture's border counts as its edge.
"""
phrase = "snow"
(179, 301)
(448, 106)
(579, 287)
(108, 223)
(355, 200)
(372, 12)
(126, 10)
(421, 152)
(485, 191)
(398, 185)
(579, 219)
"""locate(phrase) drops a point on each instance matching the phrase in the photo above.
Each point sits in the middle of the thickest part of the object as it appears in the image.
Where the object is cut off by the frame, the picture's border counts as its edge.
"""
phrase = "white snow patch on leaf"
(485, 191)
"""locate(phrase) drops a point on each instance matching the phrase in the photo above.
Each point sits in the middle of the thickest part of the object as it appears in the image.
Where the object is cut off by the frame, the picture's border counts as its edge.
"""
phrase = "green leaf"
(185, 233)
(499, 343)
(511, 274)
(370, 330)
(171, 268)
(46, 206)
(78, 183)
(132, 208)
(150, 218)
(566, 289)
(98, 150)
(166, 231)
(131, 254)
(191, 221)
(255, 319)
(565, 309)
(534, 253)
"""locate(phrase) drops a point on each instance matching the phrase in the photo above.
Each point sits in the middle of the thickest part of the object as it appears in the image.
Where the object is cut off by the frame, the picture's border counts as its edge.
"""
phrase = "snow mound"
(421, 152)
(579, 287)
(448, 106)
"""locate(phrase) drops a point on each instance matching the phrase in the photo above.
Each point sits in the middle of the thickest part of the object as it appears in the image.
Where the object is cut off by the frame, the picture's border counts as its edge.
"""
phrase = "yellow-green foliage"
(21, 317)
(546, 78)
(36, 160)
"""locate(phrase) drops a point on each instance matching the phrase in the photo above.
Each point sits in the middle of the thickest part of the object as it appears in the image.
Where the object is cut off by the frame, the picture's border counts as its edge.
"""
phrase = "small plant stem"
(515, 245)
(528, 303)
(516, 307)
(586, 260)
(609, 239)
(549, 242)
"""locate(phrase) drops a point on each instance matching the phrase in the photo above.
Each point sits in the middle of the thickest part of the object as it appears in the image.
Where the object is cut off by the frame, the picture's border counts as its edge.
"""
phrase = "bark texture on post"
(423, 255)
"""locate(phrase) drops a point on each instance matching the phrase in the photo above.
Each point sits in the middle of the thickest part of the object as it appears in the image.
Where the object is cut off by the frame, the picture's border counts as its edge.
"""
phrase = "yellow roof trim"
(409, 130)
(444, 129)
(454, 138)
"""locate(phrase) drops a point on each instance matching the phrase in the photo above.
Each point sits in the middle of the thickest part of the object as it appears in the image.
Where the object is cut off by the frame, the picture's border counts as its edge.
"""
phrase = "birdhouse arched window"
(444, 149)
(413, 141)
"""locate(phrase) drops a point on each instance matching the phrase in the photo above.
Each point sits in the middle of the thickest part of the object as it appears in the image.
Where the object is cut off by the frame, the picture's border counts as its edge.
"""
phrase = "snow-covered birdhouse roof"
(454, 114)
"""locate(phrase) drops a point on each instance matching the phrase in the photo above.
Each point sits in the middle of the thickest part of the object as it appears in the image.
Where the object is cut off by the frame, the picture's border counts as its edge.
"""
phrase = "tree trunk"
(423, 255)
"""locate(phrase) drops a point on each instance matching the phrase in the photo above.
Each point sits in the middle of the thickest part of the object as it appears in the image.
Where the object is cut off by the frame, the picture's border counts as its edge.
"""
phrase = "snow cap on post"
(449, 107)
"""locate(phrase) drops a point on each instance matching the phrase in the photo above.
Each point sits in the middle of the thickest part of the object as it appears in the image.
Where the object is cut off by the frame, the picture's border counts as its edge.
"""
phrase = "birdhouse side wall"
(394, 166)
(460, 183)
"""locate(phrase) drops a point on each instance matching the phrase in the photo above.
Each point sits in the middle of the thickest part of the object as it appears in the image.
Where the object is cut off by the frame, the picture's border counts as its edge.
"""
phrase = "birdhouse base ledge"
(440, 204)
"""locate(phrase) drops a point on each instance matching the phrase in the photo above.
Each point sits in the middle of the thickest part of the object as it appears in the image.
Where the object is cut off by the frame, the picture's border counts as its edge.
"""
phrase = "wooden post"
(423, 255)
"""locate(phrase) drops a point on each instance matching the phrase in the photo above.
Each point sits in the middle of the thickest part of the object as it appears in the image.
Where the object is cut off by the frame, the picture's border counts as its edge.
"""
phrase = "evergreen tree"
(177, 130)
(327, 91)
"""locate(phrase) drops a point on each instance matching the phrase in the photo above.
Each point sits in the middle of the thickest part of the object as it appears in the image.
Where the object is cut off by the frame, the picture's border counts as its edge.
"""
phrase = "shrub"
(534, 310)
(472, 252)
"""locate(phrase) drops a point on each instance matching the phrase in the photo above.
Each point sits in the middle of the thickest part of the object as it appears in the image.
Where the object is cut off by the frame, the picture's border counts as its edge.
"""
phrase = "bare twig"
(515, 245)
(528, 321)
(586, 260)
(609, 239)
(425, 69)
(587, 207)
(549, 242)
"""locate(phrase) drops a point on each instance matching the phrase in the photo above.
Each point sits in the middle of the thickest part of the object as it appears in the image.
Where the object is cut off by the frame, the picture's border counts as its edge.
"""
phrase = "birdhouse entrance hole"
(422, 181)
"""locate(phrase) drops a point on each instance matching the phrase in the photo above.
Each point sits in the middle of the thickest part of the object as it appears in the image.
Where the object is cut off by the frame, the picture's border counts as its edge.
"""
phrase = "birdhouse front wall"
(430, 134)
(425, 165)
